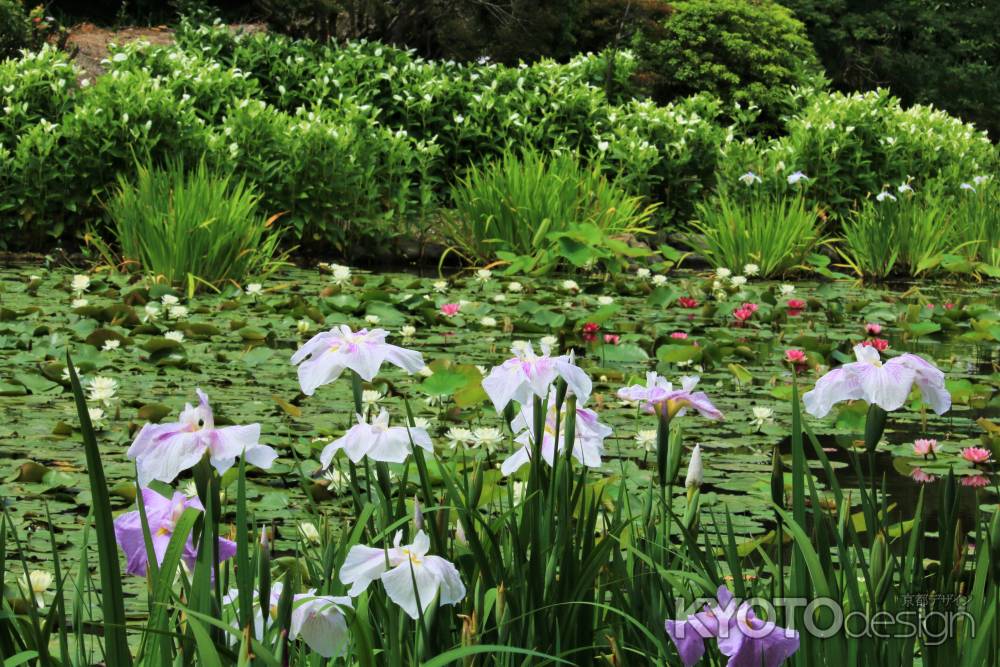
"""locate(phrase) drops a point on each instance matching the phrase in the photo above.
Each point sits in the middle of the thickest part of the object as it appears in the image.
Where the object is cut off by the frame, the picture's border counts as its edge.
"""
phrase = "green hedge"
(359, 144)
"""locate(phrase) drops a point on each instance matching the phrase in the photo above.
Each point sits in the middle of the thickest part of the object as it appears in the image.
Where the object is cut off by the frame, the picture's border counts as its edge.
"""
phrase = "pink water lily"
(659, 396)
(378, 441)
(412, 579)
(527, 375)
(328, 354)
(885, 384)
(163, 451)
(976, 455)
(162, 515)
(925, 447)
(588, 446)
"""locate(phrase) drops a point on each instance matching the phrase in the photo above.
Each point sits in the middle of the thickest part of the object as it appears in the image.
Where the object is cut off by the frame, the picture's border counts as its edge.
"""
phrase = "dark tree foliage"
(941, 52)
(13, 28)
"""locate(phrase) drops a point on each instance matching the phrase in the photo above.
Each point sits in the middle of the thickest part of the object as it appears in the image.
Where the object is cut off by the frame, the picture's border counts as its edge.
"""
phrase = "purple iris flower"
(162, 514)
(742, 637)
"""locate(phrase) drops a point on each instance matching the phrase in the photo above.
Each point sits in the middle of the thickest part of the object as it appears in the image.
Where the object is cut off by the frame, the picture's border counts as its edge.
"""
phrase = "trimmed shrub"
(747, 52)
(852, 146)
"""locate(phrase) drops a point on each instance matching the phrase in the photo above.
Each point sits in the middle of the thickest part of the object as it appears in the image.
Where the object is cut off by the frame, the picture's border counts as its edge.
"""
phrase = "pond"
(157, 346)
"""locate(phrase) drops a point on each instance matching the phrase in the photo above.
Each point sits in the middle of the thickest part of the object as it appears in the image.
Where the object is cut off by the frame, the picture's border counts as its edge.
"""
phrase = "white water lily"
(570, 286)
(885, 384)
(370, 398)
(515, 287)
(488, 322)
(484, 275)
(254, 290)
(102, 389)
(177, 312)
(761, 417)
(785, 290)
(340, 274)
(96, 417)
(407, 331)
(80, 283)
(111, 344)
(79, 303)
(659, 280)
(34, 586)
(440, 286)
(722, 273)
(177, 336)
(412, 578)
(487, 437)
(309, 532)
(642, 273)
(738, 281)
(646, 439)
(152, 312)
(378, 441)
(169, 300)
(457, 435)
(750, 270)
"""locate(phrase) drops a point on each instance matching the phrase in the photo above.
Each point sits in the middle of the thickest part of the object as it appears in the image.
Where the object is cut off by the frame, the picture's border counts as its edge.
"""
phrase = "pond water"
(237, 347)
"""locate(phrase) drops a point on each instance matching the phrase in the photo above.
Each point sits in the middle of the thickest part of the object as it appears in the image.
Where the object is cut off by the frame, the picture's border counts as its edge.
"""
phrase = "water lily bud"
(695, 472)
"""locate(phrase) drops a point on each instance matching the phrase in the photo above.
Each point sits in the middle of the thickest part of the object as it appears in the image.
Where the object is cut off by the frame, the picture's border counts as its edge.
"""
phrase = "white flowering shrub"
(854, 145)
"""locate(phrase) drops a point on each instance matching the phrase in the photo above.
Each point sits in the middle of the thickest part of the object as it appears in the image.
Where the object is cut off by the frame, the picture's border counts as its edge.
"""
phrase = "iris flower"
(527, 374)
(163, 451)
(885, 384)
(378, 441)
(399, 568)
(328, 354)
(587, 447)
(318, 619)
(162, 514)
(659, 396)
(742, 637)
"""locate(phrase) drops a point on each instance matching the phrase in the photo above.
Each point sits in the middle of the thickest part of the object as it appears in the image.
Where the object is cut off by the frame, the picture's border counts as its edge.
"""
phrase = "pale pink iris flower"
(885, 384)
(658, 395)
(163, 451)
(526, 375)
(588, 445)
(326, 355)
(378, 441)
(399, 568)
